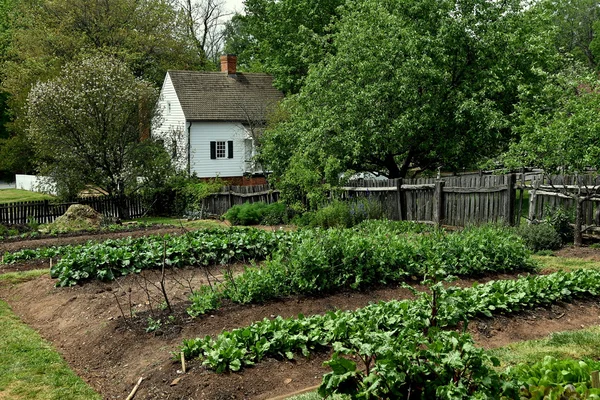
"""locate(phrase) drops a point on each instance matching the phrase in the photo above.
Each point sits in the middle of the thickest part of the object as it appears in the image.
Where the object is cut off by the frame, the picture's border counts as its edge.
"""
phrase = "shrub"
(342, 214)
(540, 237)
(258, 213)
(560, 219)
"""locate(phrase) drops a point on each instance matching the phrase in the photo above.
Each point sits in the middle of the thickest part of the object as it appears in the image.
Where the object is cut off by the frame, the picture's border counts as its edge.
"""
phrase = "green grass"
(14, 195)
(552, 264)
(199, 224)
(30, 368)
(578, 344)
(24, 276)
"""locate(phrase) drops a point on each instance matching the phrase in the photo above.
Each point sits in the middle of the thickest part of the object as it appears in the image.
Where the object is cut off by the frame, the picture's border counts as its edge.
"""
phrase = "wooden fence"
(470, 199)
(45, 211)
(548, 193)
(456, 201)
(230, 196)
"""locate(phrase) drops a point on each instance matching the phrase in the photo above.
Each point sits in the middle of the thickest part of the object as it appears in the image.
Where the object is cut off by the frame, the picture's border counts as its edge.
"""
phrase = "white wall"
(172, 123)
(202, 133)
(35, 183)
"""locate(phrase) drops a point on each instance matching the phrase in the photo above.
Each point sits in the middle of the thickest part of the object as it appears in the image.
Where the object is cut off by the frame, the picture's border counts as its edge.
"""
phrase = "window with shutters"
(221, 150)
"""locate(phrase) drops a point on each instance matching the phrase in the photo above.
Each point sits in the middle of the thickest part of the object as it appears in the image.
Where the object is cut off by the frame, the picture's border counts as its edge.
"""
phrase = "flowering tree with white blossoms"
(88, 127)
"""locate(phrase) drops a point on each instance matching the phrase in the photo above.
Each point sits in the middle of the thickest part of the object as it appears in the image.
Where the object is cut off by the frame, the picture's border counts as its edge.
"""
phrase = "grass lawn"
(197, 224)
(30, 368)
(14, 195)
(552, 264)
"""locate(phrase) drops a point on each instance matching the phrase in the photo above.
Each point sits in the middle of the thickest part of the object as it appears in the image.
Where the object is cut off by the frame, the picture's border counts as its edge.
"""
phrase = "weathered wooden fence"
(456, 201)
(46, 211)
(548, 193)
(230, 196)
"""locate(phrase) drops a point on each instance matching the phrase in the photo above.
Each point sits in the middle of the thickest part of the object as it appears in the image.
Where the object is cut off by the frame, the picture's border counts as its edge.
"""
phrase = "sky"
(234, 5)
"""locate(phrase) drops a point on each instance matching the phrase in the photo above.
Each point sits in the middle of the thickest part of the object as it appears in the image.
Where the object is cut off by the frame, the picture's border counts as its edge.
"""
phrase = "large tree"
(48, 34)
(560, 133)
(283, 37)
(409, 84)
(87, 124)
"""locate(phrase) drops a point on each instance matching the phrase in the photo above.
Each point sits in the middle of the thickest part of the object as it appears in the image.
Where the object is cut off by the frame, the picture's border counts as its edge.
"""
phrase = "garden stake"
(135, 388)
(182, 362)
(595, 379)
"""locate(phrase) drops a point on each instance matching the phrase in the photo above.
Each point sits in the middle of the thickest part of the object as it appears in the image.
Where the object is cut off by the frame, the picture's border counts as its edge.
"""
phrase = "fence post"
(510, 199)
(401, 210)
(438, 203)
(533, 201)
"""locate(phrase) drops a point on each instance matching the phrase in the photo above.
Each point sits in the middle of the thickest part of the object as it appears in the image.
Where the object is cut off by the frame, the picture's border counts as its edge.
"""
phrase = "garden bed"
(100, 328)
(85, 325)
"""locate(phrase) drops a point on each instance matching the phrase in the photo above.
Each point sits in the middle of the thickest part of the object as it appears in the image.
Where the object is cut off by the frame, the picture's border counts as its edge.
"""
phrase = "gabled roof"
(215, 96)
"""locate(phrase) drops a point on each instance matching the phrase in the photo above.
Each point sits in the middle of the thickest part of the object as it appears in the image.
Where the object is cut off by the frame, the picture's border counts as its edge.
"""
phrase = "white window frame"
(221, 149)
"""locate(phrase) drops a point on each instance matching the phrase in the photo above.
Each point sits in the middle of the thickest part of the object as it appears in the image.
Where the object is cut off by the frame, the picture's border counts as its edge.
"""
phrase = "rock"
(176, 381)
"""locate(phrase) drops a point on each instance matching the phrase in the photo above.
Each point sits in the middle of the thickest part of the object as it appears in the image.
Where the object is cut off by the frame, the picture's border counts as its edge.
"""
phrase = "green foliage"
(86, 126)
(203, 300)
(375, 324)
(342, 214)
(324, 261)
(541, 236)
(556, 379)
(560, 220)
(282, 38)
(558, 125)
(113, 258)
(258, 213)
(153, 325)
(416, 83)
(191, 193)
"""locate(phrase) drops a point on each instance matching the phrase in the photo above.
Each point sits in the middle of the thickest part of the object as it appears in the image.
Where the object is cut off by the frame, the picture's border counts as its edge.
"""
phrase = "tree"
(560, 133)
(86, 126)
(203, 21)
(48, 34)
(577, 25)
(283, 37)
(408, 85)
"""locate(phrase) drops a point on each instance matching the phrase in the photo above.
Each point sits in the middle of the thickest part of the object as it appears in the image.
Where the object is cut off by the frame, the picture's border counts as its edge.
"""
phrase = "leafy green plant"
(560, 219)
(203, 300)
(153, 325)
(258, 213)
(541, 236)
(556, 379)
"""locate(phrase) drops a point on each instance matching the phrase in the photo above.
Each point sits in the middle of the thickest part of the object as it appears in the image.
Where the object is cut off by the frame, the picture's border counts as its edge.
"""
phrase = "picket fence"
(45, 211)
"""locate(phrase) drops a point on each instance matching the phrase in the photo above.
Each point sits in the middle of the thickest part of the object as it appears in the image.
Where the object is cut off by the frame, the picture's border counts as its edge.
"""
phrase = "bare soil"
(100, 329)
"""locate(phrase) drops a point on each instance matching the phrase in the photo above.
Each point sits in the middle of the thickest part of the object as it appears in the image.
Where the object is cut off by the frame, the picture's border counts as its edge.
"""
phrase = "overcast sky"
(234, 5)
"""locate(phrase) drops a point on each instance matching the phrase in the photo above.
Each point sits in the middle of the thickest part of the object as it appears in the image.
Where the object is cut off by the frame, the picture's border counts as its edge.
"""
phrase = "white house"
(210, 119)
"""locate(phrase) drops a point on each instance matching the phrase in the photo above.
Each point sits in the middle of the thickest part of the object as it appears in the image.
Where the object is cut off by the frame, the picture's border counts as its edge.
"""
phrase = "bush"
(540, 237)
(342, 214)
(560, 219)
(258, 213)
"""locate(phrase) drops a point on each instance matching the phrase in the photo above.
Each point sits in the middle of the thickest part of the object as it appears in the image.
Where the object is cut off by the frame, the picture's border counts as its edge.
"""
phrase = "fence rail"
(45, 211)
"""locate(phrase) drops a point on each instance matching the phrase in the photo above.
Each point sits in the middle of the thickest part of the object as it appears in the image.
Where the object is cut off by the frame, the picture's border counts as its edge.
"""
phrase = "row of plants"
(373, 253)
(405, 346)
(112, 258)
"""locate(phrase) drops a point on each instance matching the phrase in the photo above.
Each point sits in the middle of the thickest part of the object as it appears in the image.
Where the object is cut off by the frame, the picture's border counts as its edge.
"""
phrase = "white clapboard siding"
(171, 124)
(201, 134)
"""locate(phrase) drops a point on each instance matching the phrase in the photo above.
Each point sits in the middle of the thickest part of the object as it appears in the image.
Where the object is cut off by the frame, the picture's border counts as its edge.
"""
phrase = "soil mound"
(77, 217)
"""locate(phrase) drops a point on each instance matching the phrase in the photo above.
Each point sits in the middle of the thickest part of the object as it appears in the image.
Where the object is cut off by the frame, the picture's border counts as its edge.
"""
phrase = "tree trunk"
(577, 234)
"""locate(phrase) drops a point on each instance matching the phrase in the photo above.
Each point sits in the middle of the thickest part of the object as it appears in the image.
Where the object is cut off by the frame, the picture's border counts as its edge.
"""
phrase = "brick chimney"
(229, 64)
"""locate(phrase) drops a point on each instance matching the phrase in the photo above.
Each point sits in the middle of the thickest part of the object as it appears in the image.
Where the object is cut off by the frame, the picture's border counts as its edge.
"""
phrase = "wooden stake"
(182, 363)
(135, 388)
(595, 379)
(50, 262)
